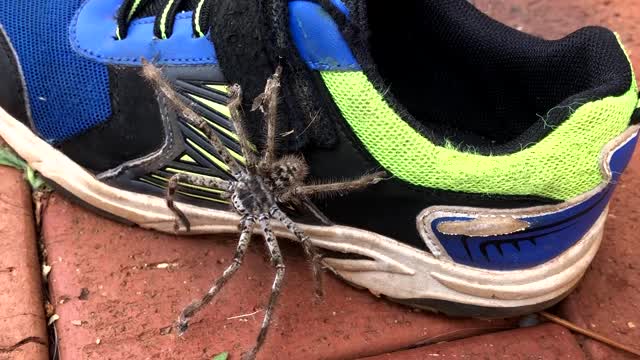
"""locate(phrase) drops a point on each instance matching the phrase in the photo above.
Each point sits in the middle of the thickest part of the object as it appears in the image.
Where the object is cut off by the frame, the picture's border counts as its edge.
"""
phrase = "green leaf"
(9, 158)
(221, 356)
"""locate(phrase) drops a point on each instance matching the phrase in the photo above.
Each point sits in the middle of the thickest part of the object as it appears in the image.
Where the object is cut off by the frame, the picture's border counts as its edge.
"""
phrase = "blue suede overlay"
(93, 35)
(318, 38)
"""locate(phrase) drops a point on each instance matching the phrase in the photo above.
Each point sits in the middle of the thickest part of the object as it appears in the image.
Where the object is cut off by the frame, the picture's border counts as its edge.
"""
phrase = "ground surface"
(117, 289)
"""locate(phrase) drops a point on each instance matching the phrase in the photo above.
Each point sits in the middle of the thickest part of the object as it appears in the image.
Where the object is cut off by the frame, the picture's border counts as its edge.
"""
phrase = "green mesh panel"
(561, 166)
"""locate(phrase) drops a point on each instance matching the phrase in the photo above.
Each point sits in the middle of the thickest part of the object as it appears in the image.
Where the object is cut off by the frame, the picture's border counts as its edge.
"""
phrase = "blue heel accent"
(548, 235)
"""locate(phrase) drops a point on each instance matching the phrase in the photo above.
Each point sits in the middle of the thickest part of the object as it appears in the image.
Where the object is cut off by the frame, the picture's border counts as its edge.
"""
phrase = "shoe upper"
(460, 110)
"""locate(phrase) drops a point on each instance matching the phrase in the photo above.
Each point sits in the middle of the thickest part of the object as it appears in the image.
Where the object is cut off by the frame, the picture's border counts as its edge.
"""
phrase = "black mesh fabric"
(469, 79)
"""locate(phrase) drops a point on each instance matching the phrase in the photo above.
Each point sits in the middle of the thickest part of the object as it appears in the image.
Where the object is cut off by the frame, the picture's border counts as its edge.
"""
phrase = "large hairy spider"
(257, 191)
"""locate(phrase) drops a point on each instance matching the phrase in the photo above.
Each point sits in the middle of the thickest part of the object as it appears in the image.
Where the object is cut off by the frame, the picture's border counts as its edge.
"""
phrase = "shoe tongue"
(155, 7)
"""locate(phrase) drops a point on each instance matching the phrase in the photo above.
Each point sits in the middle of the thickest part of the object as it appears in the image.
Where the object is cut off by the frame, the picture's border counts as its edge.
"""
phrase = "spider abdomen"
(251, 196)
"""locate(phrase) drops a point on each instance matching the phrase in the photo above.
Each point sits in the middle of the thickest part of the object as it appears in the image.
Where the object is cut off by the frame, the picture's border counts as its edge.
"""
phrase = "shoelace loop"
(164, 18)
(165, 12)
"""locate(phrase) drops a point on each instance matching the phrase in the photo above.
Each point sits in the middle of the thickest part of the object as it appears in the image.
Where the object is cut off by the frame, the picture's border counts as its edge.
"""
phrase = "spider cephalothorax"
(257, 191)
(286, 174)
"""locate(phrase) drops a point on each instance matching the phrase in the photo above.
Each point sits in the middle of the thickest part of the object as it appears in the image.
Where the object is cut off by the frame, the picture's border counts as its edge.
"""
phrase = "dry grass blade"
(588, 333)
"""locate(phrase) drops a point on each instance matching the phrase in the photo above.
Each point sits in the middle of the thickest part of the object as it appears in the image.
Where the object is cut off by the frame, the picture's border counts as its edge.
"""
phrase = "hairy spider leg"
(247, 225)
(307, 245)
(238, 120)
(268, 103)
(191, 179)
(277, 261)
(338, 187)
(184, 107)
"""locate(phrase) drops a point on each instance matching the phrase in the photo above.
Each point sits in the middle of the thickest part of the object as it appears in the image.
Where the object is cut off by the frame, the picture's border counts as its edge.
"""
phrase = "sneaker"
(502, 149)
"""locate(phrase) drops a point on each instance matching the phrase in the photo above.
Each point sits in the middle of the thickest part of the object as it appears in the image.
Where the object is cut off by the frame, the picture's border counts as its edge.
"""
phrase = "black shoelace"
(165, 12)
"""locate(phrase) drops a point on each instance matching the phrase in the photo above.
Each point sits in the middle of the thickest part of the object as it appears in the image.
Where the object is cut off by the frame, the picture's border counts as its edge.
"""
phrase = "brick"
(28, 351)
(547, 341)
(21, 305)
(131, 300)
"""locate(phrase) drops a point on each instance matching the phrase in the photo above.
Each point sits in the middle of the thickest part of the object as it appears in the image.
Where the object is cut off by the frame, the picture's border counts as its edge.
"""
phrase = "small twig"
(588, 333)
(245, 315)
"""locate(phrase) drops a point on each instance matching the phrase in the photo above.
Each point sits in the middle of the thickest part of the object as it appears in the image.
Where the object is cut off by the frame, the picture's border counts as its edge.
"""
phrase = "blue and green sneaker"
(502, 149)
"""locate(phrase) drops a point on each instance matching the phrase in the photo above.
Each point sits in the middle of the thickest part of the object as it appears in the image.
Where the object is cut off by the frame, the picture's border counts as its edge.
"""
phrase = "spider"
(256, 193)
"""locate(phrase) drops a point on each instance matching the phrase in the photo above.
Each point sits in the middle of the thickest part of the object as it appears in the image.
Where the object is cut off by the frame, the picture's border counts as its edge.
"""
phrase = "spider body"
(251, 196)
(256, 191)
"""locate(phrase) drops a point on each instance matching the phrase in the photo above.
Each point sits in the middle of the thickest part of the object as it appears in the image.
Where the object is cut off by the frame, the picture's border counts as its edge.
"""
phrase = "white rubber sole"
(390, 268)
